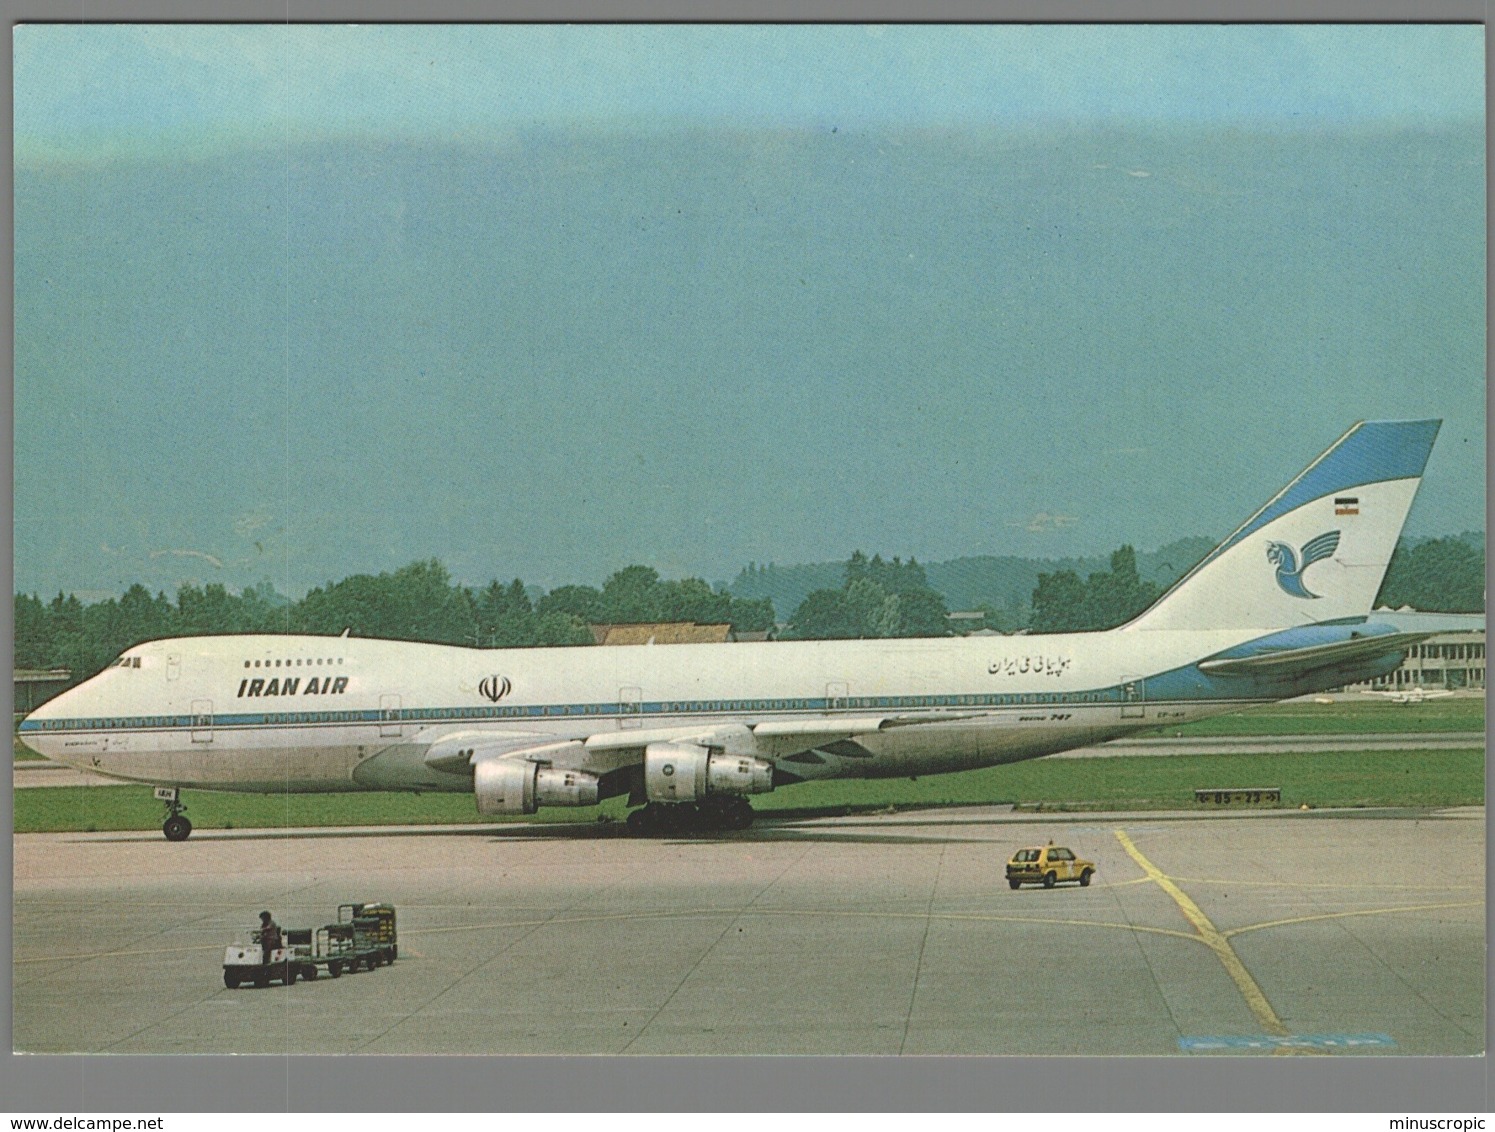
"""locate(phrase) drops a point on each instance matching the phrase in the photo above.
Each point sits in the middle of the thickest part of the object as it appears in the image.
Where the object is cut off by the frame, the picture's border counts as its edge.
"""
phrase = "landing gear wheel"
(1085, 879)
(1049, 879)
(740, 814)
(679, 817)
(175, 827)
(1014, 884)
(711, 814)
(656, 819)
(724, 811)
(231, 978)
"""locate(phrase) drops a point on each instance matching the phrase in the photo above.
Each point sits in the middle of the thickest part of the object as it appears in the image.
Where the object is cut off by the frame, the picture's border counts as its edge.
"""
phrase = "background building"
(1451, 659)
(35, 686)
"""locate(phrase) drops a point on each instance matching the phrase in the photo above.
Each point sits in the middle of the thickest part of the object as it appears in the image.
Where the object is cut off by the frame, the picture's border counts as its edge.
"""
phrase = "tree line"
(1443, 575)
(420, 602)
(876, 599)
(1438, 575)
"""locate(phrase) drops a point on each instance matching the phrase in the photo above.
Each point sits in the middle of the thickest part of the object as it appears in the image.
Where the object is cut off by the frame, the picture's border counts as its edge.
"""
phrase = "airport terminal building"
(1449, 660)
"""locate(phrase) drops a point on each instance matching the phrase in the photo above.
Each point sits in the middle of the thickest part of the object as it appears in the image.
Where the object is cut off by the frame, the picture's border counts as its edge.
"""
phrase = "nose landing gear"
(176, 827)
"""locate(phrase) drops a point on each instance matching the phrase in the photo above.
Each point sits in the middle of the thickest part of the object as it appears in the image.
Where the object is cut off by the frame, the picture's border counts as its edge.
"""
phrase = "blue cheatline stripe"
(1290, 1041)
(1371, 452)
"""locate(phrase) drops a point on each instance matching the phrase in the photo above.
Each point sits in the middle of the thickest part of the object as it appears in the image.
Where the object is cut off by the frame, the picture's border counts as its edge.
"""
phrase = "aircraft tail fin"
(1318, 550)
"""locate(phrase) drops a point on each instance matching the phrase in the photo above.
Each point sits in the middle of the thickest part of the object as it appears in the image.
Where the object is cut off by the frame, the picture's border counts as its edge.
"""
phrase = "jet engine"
(518, 786)
(684, 772)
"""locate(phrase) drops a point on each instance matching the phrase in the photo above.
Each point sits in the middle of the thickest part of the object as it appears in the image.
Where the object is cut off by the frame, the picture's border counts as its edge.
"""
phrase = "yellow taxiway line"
(1356, 912)
(1212, 938)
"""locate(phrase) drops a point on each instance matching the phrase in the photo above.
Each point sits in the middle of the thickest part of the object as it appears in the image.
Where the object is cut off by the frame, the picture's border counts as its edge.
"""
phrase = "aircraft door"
(390, 715)
(630, 707)
(1133, 697)
(202, 721)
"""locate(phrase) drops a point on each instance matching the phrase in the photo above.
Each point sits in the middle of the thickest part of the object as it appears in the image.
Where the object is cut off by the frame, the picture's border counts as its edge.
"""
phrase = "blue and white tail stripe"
(1260, 578)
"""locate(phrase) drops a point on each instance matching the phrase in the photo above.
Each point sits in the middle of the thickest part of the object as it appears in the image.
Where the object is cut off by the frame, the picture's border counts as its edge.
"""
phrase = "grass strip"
(1342, 717)
(1317, 779)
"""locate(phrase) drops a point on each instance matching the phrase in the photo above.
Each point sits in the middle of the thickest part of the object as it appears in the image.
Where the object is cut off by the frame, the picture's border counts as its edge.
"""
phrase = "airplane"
(1413, 695)
(689, 732)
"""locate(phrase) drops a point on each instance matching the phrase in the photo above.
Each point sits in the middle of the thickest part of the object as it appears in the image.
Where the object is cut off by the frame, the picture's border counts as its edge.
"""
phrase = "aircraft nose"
(32, 736)
(34, 730)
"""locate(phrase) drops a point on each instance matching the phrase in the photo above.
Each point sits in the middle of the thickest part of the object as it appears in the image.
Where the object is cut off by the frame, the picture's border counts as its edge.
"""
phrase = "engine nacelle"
(738, 774)
(684, 772)
(516, 786)
(554, 787)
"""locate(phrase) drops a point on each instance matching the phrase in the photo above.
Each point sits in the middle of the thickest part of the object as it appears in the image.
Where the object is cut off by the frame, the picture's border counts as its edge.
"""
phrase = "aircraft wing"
(603, 751)
(1291, 661)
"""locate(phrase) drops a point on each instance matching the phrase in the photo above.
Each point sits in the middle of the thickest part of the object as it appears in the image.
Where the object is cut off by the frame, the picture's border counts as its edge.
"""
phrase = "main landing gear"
(176, 827)
(717, 812)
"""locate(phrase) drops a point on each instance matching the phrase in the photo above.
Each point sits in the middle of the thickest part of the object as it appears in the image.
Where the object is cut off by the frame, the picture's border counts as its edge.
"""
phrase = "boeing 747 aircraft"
(1281, 608)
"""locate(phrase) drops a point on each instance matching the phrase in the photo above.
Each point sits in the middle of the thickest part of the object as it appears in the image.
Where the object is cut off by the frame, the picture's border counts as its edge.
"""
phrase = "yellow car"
(1048, 865)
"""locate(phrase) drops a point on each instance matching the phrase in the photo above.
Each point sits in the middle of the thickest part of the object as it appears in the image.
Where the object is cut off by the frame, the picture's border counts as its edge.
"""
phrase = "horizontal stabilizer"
(1272, 662)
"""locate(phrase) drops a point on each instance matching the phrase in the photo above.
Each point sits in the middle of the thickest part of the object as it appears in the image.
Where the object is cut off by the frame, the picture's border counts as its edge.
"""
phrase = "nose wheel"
(176, 827)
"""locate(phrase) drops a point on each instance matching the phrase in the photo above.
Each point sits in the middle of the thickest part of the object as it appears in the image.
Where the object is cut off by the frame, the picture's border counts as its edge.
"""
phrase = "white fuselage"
(306, 713)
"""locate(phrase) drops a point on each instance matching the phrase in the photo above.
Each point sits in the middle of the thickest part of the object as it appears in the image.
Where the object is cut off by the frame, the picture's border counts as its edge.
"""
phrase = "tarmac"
(1317, 933)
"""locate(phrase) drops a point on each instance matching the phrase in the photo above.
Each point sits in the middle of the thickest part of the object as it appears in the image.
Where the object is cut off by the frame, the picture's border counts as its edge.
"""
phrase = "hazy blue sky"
(297, 302)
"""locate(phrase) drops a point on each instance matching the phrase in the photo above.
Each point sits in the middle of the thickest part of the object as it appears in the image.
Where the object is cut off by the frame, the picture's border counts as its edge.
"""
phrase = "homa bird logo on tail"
(1290, 569)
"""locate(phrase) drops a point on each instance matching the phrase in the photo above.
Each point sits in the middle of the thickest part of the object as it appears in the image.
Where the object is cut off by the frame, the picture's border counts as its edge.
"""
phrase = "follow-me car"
(1048, 865)
(1281, 608)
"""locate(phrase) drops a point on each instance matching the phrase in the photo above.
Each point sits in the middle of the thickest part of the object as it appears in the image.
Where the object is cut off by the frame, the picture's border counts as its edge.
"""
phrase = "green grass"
(1343, 717)
(1320, 779)
(58, 808)
(20, 751)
